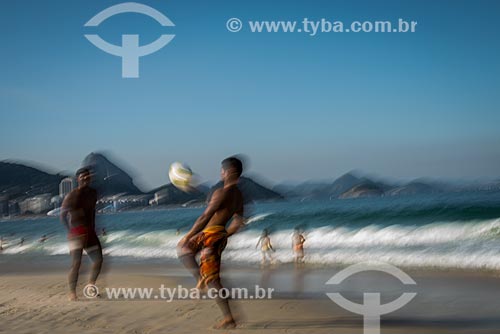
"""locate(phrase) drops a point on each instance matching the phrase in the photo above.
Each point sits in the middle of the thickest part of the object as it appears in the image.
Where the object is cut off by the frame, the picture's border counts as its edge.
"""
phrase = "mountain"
(305, 189)
(414, 188)
(169, 194)
(365, 189)
(351, 186)
(251, 190)
(108, 178)
(343, 184)
(18, 180)
(313, 190)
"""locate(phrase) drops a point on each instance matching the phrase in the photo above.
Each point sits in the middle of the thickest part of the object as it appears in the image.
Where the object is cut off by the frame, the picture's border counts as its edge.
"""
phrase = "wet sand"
(33, 300)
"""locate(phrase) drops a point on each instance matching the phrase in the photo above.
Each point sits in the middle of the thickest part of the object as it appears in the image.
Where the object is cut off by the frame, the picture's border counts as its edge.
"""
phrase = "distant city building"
(14, 209)
(66, 186)
(4, 205)
(35, 205)
(121, 202)
(158, 196)
(56, 202)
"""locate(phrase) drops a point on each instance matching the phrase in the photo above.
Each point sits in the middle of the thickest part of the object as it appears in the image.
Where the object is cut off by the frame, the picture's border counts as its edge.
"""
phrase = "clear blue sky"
(301, 107)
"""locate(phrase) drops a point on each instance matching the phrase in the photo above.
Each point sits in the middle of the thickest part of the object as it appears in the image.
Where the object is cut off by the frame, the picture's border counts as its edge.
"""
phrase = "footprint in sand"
(287, 306)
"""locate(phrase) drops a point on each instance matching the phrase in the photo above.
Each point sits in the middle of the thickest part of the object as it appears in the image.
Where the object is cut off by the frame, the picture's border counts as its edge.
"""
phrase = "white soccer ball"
(181, 176)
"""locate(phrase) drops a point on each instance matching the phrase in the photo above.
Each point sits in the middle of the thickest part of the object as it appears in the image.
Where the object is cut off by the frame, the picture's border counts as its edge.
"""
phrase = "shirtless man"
(208, 235)
(80, 206)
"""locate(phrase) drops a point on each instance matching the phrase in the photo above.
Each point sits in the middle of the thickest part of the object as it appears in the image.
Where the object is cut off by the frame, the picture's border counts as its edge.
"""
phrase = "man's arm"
(238, 220)
(205, 217)
(94, 204)
(237, 223)
(64, 212)
(270, 246)
(258, 242)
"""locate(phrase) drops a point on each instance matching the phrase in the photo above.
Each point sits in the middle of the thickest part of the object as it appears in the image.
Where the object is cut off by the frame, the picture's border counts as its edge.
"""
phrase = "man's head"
(231, 170)
(83, 176)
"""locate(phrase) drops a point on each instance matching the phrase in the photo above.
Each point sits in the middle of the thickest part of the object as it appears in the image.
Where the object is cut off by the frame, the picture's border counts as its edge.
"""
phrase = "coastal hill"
(344, 184)
(252, 191)
(169, 194)
(351, 186)
(18, 180)
(317, 190)
(364, 189)
(108, 178)
(415, 188)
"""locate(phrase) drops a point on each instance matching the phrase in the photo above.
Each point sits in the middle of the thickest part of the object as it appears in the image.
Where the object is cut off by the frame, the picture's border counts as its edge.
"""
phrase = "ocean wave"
(475, 244)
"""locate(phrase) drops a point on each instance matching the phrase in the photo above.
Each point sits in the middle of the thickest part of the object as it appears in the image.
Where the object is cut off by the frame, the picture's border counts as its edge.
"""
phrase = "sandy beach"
(33, 300)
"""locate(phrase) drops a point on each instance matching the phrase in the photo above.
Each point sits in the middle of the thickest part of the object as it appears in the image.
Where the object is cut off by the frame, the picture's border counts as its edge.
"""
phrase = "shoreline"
(32, 264)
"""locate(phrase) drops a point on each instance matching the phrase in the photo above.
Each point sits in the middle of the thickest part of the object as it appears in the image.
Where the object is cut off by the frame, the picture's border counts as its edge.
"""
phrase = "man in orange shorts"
(208, 236)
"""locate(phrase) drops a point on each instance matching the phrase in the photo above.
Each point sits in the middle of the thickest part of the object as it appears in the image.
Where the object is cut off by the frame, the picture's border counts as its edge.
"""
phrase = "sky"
(300, 107)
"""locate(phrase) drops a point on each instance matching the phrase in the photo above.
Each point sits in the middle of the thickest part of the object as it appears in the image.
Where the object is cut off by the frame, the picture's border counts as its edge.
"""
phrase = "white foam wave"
(444, 245)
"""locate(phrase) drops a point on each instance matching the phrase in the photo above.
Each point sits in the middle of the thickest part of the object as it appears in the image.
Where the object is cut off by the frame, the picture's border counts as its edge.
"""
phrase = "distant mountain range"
(251, 191)
(18, 180)
(21, 181)
(352, 186)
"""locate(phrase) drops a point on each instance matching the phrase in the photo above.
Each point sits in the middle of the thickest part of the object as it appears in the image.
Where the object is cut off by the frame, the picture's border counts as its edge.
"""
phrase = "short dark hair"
(233, 162)
(83, 170)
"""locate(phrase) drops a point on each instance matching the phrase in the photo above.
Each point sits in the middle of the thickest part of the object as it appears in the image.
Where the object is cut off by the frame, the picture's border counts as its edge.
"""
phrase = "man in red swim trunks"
(80, 206)
(209, 235)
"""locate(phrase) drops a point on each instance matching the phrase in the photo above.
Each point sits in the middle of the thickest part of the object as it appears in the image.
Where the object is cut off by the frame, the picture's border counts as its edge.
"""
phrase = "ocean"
(459, 230)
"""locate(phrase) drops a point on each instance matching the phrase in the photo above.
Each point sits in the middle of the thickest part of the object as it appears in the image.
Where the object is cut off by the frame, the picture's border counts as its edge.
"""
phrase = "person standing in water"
(265, 247)
(80, 206)
(298, 246)
(208, 236)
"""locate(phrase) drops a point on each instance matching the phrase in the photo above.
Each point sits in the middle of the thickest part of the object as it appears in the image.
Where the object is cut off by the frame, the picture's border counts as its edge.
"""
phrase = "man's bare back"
(229, 202)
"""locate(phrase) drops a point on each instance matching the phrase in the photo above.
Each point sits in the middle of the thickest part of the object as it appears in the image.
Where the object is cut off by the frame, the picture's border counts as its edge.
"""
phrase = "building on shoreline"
(4, 205)
(36, 205)
(66, 186)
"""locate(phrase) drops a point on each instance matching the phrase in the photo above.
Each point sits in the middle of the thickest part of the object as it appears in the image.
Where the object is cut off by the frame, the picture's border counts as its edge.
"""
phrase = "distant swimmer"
(103, 232)
(79, 206)
(21, 242)
(266, 248)
(43, 239)
(208, 236)
(298, 246)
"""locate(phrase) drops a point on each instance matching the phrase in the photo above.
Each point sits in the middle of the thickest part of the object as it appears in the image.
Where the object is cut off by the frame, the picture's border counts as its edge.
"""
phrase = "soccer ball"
(181, 176)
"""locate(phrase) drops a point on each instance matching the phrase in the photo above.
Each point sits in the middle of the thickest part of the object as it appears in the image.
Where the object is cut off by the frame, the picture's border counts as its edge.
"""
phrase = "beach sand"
(33, 300)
